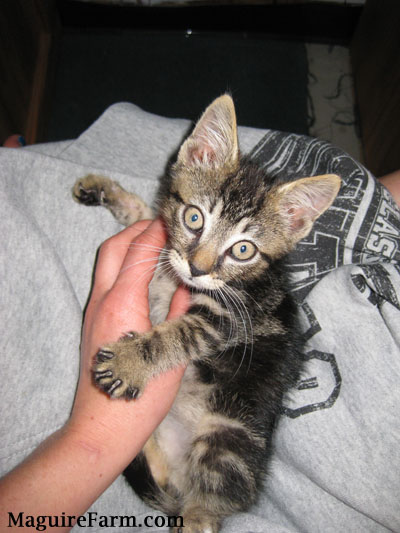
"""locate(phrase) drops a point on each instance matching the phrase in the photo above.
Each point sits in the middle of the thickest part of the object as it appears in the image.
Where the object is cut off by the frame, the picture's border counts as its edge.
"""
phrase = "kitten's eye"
(243, 250)
(193, 218)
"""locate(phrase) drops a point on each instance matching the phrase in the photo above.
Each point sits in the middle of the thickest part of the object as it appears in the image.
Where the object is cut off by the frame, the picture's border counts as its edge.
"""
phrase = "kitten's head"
(225, 218)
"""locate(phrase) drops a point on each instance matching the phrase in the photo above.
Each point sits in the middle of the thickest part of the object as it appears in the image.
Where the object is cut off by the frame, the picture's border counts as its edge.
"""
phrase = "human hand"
(74, 465)
(118, 304)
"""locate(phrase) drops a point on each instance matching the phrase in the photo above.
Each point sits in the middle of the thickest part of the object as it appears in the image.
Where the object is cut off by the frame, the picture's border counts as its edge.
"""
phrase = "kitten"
(229, 228)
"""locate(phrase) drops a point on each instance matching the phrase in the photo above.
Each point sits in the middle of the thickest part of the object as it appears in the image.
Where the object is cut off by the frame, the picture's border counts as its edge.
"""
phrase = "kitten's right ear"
(213, 142)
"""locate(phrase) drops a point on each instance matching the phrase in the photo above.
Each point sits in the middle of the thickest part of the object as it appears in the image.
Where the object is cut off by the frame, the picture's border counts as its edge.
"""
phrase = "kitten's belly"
(174, 433)
(178, 430)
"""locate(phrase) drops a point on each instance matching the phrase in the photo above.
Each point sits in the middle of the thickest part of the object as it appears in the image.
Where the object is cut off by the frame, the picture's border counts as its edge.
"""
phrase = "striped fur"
(229, 228)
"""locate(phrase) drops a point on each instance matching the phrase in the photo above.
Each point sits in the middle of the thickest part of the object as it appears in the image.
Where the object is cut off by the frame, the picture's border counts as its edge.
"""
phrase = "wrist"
(116, 426)
(105, 434)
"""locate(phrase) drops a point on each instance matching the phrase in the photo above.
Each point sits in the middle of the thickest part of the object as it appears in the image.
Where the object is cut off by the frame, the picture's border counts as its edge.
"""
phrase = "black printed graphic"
(320, 385)
(314, 324)
(321, 251)
(379, 233)
(320, 390)
(376, 280)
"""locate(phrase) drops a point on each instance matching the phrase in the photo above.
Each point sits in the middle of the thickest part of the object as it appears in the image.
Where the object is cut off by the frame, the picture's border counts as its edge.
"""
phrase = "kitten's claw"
(104, 380)
(132, 393)
(116, 388)
(101, 375)
(104, 355)
(117, 383)
(130, 334)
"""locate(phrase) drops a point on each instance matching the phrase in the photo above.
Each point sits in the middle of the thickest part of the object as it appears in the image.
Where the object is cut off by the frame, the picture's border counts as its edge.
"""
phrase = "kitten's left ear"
(302, 201)
(213, 142)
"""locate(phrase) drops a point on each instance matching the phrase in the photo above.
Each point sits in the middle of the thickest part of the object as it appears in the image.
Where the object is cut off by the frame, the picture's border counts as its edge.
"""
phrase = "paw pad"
(90, 196)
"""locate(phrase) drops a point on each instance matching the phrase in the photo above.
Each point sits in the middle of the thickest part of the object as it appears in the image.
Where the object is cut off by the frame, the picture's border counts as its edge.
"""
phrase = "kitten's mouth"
(201, 283)
(204, 283)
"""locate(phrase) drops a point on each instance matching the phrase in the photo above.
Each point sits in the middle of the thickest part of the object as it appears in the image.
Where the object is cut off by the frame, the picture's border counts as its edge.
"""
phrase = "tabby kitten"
(229, 228)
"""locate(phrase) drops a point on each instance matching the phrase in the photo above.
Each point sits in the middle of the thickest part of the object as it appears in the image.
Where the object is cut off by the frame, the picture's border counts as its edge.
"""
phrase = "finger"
(180, 303)
(129, 293)
(112, 254)
(141, 258)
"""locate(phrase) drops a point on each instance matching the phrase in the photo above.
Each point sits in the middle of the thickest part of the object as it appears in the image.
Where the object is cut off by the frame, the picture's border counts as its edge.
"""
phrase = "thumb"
(180, 303)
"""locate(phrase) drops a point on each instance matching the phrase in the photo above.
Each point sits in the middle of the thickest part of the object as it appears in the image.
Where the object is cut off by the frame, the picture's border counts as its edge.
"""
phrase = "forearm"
(74, 466)
(66, 474)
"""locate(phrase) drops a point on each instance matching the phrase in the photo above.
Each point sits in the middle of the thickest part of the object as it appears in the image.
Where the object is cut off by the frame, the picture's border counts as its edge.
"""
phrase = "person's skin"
(392, 183)
(14, 141)
(71, 469)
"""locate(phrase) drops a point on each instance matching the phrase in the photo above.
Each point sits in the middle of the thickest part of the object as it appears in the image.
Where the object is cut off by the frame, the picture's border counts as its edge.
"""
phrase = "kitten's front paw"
(126, 207)
(91, 190)
(119, 368)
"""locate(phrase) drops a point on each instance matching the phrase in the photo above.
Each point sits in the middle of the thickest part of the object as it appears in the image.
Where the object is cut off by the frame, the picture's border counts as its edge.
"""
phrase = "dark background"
(62, 62)
(175, 61)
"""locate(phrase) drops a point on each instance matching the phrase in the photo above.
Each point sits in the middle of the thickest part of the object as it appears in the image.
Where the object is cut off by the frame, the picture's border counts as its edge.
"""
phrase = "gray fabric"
(336, 461)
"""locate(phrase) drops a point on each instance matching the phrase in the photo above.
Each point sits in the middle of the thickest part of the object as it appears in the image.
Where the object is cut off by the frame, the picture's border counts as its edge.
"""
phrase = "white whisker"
(232, 322)
(237, 301)
(136, 263)
(146, 246)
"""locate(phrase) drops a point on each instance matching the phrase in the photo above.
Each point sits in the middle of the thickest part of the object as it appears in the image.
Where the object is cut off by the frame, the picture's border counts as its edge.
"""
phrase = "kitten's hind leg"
(224, 471)
(126, 207)
(197, 522)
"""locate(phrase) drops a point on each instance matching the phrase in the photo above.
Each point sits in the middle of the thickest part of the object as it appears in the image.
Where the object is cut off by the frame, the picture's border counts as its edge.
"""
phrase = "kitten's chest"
(161, 290)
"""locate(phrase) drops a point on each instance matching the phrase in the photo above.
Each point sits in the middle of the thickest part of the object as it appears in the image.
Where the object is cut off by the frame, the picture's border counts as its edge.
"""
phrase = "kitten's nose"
(196, 271)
